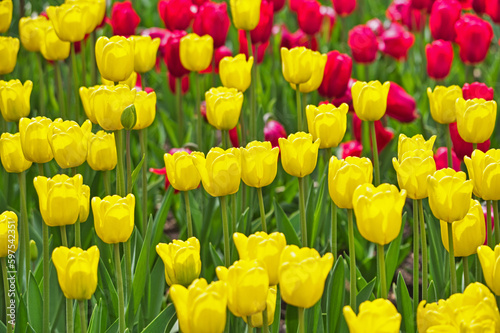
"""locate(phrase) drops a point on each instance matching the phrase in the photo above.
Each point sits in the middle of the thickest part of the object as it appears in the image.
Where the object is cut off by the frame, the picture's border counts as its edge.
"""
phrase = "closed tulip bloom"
(69, 142)
(223, 107)
(299, 154)
(201, 307)
(396, 41)
(109, 103)
(273, 130)
(474, 36)
(11, 153)
(413, 169)
(344, 176)
(484, 171)
(476, 119)
(115, 57)
(182, 261)
(336, 76)
(363, 43)
(5, 15)
(51, 47)
(296, 64)
(318, 62)
(257, 319)
(15, 99)
(220, 171)
(87, 98)
(489, 263)
(8, 53)
(442, 20)
(449, 194)
(31, 31)
(245, 13)
(124, 19)
(102, 154)
(370, 99)
(235, 72)
(416, 142)
(479, 6)
(477, 90)
(8, 229)
(442, 103)
(380, 315)
(468, 233)
(145, 107)
(259, 163)
(34, 141)
(181, 170)
(263, 30)
(176, 14)
(145, 51)
(302, 275)
(71, 21)
(439, 59)
(327, 123)
(309, 16)
(401, 105)
(212, 19)
(114, 218)
(344, 7)
(196, 52)
(402, 11)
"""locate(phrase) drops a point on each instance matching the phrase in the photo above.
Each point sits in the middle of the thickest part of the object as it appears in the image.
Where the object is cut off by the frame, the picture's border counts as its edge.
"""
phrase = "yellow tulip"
(131, 81)
(9, 236)
(259, 163)
(201, 307)
(490, 260)
(296, 64)
(318, 62)
(378, 211)
(344, 176)
(468, 233)
(60, 199)
(9, 47)
(257, 319)
(115, 57)
(5, 15)
(15, 99)
(145, 53)
(11, 153)
(31, 31)
(72, 21)
(476, 119)
(245, 13)
(299, 153)
(84, 204)
(442, 103)
(97, 7)
(413, 169)
(87, 98)
(223, 107)
(34, 141)
(406, 144)
(221, 171)
(145, 108)
(236, 72)
(182, 261)
(370, 99)
(196, 52)
(263, 247)
(181, 170)
(114, 217)
(379, 316)
(69, 142)
(76, 271)
(109, 103)
(302, 275)
(327, 123)
(51, 47)
(484, 171)
(247, 287)
(449, 194)
(101, 154)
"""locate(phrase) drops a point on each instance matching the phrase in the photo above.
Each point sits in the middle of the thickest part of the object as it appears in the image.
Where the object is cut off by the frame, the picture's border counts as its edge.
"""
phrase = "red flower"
(172, 57)
(466, 4)
(401, 11)
(262, 32)
(384, 135)
(278, 5)
(351, 148)
(212, 20)
(310, 17)
(172, 83)
(444, 14)
(441, 159)
(261, 48)
(439, 59)
(477, 90)
(344, 7)
(400, 105)
(328, 19)
(273, 130)
(294, 5)
(298, 38)
(463, 148)
(233, 136)
(396, 41)
(363, 44)
(176, 14)
(124, 19)
(376, 26)
(420, 4)
(336, 76)
(474, 36)
(219, 53)
(479, 6)
(199, 3)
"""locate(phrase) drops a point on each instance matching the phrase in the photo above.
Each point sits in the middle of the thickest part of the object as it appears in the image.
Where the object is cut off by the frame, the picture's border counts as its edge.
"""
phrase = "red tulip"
(298, 38)
(212, 20)
(310, 17)
(384, 135)
(273, 130)
(479, 6)
(219, 53)
(441, 159)
(329, 17)
(466, 4)
(463, 148)
(401, 11)
(400, 105)
(176, 14)
(444, 14)
(261, 48)
(477, 90)
(233, 136)
(376, 26)
(294, 5)
(485, 212)
(124, 19)
(262, 32)
(336, 76)
(351, 148)
(278, 5)
(172, 58)
(344, 7)
(396, 41)
(474, 36)
(363, 44)
(200, 3)
(439, 59)
(420, 4)
(172, 84)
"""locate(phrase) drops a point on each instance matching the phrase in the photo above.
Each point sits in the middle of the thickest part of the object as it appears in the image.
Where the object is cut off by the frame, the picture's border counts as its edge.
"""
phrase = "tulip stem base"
(302, 320)
(383, 278)
(352, 257)
(265, 322)
(416, 256)
(6, 291)
(24, 224)
(451, 252)
(46, 281)
(64, 238)
(69, 316)
(225, 226)
(83, 318)
(60, 91)
(144, 183)
(302, 210)
(376, 164)
(448, 146)
(333, 240)
(41, 85)
(489, 224)
(262, 210)
(423, 238)
(497, 221)
(188, 215)
(180, 114)
(465, 261)
(119, 282)
(299, 108)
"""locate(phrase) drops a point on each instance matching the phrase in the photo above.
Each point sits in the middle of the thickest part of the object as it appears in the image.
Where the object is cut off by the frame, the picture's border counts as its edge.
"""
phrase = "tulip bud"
(196, 52)
(344, 7)
(223, 107)
(15, 99)
(474, 36)
(318, 62)
(327, 123)
(380, 315)
(488, 259)
(296, 64)
(299, 154)
(114, 218)
(363, 43)
(182, 261)
(245, 13)
(475, 119)
(336, 76)
(129, 117)
(5, 15)
(9, 236)
(51, 47)
(413, 169)
(31, 31)
(115, 57)
(236, 72)
(370, 99)
(33, 251)
(8, 53)
(181, 170)
(69, 142)
(259, 163)
(442, 20)
(442, 103)
(124, 19)
(439, 59)
(396, 42)
(176, 14)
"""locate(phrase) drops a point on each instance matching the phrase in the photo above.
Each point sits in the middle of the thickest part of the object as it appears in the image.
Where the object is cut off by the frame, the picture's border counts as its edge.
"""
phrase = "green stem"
(74, 70)
(120, 177)
(253, 113)
(225, 139)
(299, 108)
(225, 226)
(474, 146)
(265, 323)
(119, 280)
(41, 85)
(233, 213)
(451, 250)
(107, 184)
(129, 162)
(144, 183)
(127, 249)
(448, 146)
(69, 316)
(381, 262)
(376, 165)
(188, 214)
(24, 223)
(60, 91)
(489, 224)
(46, 281)
(302, 210)
(302, 320)
(262, 210)
(304, 117)
(84, 64)
(352, 257)
(180, 114)
(82, 304)
(465, 261)
(423, 238)
(78, 242)
(497, 221)
(6, 291)
(199, 134)
(64, 238)
(416, 256)
(93, 69)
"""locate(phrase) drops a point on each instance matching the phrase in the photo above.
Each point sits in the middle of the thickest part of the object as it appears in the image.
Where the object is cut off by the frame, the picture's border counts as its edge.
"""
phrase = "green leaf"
(285, 226)
(106, 289)
(436, 254)
(319, 215)
(162, 322)
(137, 170)
(432, 293)
(405, 305)
(95, 319)
(365, 293)
(35, 304)
(392, 256)
(292, 318)
(113, 328)
(275, 327)
(156, 290)
(215, 256)
(336, 294)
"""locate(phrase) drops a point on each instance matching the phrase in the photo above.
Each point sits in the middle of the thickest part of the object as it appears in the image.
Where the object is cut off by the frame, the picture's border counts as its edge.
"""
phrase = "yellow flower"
(370, 99)
(69, 142)
(109, 103)
(247, 287)
(181, 171)
(97, 7)
(296, 64)
(9, 47)
(299, 153)
(245, 13)
(34, 141)
(442, 103)
(476, 119)
(15, 99)
(406, 144)
(145, 108)
(182, 261)
(327, 123)
(259, 163)
(263, 247)
(201, 307)
(221, 171)
(11, 153)
(490, 263)
(115, 57)
(51, 47)
(114, 217)
(60, 198)
(72, 20)
(468, 233)
(236, 72)
(413, 169)
(378, 211)
(101, 154)
(223, 107)
(484, 171)
(449, 194)
(9, 237)
(344, 176)
(31, 31)
(130, 81)
(302, 275)
(196, 52)
(87, 98)
(76, 271)
(84, 204)
(145, 53)
(5, 15)
(257, 319)
(379, 316)
(318, 62)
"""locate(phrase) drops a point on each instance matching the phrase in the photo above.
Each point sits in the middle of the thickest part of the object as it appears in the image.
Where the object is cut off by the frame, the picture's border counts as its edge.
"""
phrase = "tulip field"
(203, 166)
